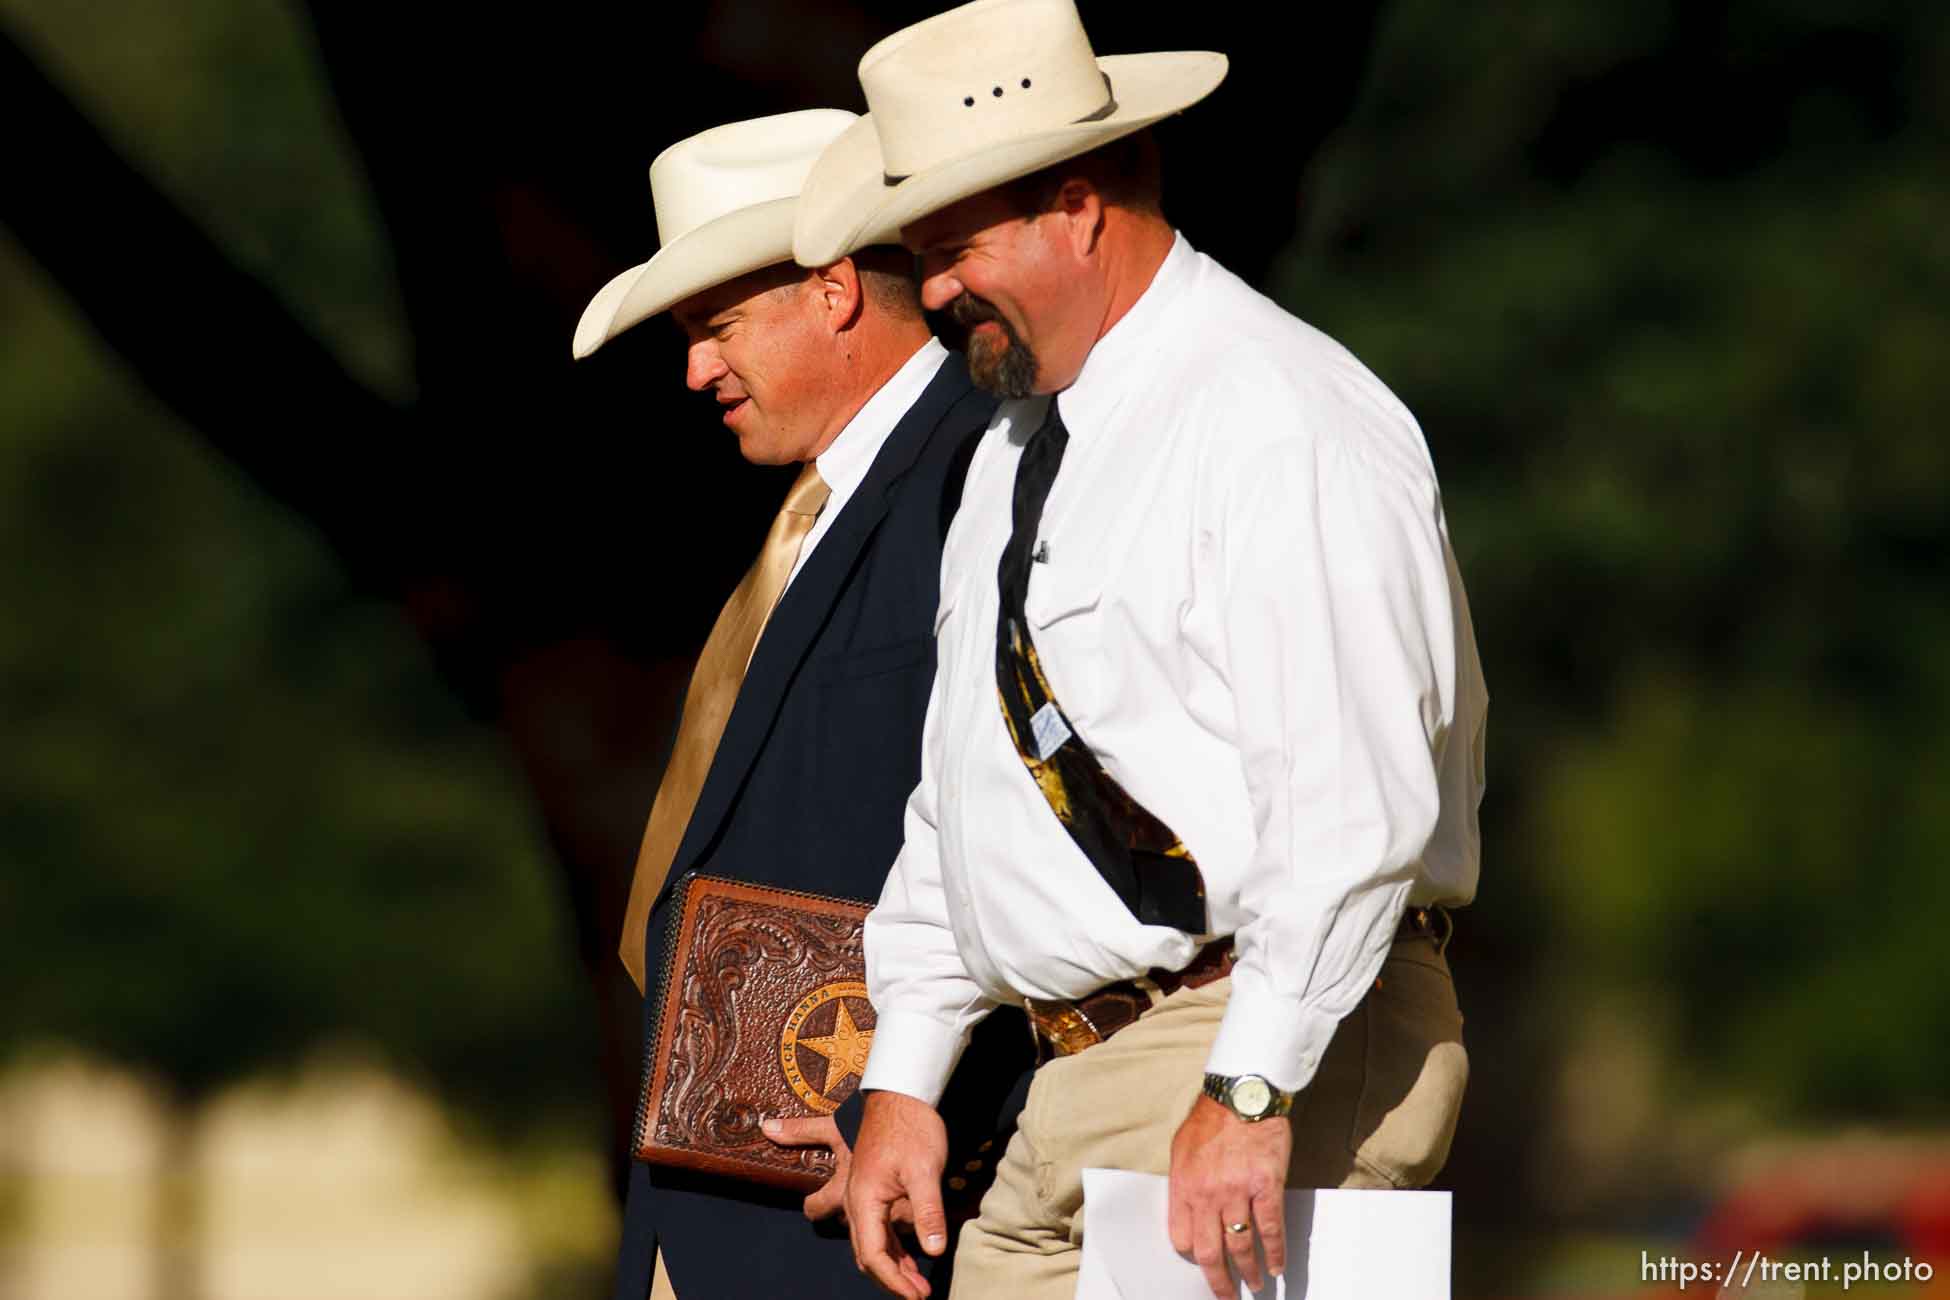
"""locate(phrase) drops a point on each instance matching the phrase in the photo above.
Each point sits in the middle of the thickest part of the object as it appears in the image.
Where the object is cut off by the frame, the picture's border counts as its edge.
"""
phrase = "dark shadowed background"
(342, 618)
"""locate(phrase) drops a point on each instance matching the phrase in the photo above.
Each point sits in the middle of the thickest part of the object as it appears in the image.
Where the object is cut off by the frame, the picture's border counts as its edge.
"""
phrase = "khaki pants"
(1379, 1112)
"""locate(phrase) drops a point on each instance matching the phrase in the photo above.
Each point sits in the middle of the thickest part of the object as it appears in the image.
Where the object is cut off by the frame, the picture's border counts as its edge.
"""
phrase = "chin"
(758, 453)
(1008, 371)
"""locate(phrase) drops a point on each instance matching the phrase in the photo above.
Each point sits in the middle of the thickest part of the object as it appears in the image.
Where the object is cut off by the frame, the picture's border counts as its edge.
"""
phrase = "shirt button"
(957, 1183)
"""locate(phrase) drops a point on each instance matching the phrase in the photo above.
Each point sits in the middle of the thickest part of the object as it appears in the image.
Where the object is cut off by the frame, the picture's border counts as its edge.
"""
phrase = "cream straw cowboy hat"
(724, 201)
(974, 97)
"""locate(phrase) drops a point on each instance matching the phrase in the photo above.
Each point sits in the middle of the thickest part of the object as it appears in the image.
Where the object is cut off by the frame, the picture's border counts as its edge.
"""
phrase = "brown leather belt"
(1066, 1028)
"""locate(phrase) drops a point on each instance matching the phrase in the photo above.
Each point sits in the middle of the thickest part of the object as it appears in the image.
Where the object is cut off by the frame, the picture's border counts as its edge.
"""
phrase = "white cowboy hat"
(974, 97)
(724, 200)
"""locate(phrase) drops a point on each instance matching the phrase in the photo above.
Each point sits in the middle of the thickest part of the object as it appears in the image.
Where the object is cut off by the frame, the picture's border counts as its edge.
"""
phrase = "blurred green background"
(1668, 286)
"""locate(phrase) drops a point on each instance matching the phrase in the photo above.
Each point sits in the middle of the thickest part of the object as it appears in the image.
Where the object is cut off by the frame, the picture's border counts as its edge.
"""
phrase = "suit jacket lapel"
(803, 610)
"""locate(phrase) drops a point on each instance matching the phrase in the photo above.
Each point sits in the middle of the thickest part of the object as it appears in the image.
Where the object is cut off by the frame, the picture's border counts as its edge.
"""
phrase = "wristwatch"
(1248, 1096)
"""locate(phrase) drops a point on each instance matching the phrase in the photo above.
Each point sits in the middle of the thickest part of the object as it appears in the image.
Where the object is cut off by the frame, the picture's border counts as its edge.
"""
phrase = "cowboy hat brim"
(732, 245)
(848, 201)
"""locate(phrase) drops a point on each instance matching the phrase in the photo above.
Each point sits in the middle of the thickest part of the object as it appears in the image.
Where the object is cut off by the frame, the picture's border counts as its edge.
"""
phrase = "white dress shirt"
(846, 461)
(1250, 612)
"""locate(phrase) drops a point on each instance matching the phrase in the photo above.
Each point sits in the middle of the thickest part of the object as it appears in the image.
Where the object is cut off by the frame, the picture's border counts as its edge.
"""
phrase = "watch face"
(1251, 1095)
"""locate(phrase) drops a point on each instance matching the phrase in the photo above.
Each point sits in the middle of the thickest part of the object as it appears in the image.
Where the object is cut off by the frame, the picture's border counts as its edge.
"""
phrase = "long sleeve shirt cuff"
(1276, 1038)
(912, 1054)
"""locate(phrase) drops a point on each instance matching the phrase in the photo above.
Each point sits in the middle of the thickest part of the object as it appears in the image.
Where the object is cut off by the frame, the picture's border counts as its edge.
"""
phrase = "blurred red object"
(1830, 1199)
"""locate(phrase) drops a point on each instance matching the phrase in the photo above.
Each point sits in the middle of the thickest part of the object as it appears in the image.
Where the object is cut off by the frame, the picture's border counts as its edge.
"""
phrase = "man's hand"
(903, 1146)
(816, 1131)
(1226, 1171)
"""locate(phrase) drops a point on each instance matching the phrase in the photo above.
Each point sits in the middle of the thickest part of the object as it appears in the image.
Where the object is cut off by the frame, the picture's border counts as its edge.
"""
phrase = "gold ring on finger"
(1238, 1227)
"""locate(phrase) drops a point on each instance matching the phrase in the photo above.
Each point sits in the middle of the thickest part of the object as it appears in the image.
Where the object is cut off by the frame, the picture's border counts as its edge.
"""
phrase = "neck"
(1135, 245)
(871, 353)
(1130, 249)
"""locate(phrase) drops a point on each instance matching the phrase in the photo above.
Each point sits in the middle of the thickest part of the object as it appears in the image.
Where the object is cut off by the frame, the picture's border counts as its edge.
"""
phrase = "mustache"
(969, 311)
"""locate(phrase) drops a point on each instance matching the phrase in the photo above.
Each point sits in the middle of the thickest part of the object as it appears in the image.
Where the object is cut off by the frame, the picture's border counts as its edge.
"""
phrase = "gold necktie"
(707, 704)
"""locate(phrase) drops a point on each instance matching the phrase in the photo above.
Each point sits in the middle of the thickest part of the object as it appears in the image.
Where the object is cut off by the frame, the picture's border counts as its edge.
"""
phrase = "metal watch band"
(1249, 1096)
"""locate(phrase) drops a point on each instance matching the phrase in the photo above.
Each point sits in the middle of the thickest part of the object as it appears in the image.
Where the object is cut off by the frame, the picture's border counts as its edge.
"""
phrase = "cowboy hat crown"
(724, 202)
(972, 98)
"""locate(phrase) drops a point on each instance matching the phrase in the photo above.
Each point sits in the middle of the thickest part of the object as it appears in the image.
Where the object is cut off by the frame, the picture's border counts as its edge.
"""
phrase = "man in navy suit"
(801, 733)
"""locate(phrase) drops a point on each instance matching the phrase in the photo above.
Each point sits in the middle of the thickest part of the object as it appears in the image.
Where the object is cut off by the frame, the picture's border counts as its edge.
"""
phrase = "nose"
(703, 366)
(939, 287)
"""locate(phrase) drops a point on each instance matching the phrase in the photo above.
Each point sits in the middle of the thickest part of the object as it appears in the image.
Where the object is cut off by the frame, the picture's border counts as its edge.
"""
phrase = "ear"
(838, 287)
(1080, 209)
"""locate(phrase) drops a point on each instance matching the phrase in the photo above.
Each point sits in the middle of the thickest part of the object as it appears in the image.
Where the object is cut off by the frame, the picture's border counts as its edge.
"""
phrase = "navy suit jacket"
(807, 791)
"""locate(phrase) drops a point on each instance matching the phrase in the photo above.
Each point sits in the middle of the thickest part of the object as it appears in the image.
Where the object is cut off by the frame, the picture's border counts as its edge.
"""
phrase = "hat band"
(1110, 106)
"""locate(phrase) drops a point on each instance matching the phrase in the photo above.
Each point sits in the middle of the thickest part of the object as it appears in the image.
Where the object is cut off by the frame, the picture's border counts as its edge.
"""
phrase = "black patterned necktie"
(1139, 857)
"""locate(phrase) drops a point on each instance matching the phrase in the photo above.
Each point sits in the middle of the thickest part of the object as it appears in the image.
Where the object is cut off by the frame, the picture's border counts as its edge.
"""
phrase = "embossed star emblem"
(845, 1050)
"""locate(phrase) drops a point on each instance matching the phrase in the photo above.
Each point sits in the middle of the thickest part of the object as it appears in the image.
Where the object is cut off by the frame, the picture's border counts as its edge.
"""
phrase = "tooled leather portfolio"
(762, 1011)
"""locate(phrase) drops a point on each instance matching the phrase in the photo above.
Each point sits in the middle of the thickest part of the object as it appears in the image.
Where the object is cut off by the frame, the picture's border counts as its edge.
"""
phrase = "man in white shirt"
(1205, 744)
(801, 729)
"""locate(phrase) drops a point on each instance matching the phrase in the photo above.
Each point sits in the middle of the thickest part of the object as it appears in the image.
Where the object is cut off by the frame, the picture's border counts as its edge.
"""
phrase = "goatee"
(1001, 365)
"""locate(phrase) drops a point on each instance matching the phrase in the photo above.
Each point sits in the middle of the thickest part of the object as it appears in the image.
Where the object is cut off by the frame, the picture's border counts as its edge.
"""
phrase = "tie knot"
(808, 494)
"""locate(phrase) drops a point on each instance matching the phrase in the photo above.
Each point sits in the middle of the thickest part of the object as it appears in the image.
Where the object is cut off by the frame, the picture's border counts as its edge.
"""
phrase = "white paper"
(1341, 1245)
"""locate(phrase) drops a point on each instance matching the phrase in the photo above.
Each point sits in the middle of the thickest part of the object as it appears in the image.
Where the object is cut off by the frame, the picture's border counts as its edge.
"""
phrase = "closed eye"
(936, 260)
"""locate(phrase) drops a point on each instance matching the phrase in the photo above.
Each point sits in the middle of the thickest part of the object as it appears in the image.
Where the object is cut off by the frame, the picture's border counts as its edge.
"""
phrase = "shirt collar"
(851, 455)
(1106, 375)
